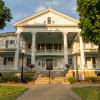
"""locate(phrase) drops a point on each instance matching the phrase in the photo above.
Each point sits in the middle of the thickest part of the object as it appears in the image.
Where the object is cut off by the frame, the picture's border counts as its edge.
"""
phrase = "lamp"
(23, 52)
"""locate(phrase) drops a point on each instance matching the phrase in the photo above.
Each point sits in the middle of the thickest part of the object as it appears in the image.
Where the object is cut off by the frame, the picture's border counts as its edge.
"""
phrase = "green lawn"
(11, 92)
(87, 93)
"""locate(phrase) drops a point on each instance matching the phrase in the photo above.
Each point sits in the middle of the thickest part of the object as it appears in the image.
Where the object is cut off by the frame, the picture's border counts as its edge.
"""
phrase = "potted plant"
(31, 66)
(68, 65)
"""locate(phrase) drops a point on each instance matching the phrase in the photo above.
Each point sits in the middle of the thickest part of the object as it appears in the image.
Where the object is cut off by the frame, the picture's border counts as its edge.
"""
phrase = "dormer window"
(49, 20)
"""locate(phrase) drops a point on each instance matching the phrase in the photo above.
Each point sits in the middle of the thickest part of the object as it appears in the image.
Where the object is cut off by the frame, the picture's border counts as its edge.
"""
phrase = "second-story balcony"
(7, 46)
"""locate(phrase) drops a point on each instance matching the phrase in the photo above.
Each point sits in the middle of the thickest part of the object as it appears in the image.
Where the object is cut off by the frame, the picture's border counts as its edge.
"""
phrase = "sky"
(21, 9)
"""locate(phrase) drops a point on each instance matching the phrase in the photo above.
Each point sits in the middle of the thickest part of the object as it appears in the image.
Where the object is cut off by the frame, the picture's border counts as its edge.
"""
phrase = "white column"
(16, 62)
(82, 53)
(33, 49)
(65, 49)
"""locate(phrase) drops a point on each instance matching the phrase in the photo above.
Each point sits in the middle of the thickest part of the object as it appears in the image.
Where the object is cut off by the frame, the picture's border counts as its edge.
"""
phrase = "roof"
(43, 12)
(8, 34)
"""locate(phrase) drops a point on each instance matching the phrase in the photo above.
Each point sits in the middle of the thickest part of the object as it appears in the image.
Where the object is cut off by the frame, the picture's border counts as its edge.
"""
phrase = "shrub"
(71, 79)
(1, 75)
(14, 78)
(3, 79)
(27, 78)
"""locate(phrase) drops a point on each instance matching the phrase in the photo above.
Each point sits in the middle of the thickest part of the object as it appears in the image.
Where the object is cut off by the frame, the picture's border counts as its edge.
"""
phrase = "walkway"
(49, 92)
(46, 92)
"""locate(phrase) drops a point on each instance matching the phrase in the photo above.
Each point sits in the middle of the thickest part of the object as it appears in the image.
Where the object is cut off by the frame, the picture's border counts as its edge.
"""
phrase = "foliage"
(5, 14)
(1, 75)
(11, 92)
(14, 78)
(87, 93)
(27, 78)
(31, 66)
(3, 79)
(89, 12)
(71, 79)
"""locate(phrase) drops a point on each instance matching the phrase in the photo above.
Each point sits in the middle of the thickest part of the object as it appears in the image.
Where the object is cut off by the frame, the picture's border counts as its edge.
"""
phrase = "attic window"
(49, 20)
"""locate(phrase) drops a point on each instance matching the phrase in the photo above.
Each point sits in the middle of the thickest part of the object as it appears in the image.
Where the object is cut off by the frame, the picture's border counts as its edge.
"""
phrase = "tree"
(89, 12)
(5, 14)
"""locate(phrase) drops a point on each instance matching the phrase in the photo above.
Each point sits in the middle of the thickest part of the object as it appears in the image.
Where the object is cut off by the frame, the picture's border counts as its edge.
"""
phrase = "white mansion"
(50, 39)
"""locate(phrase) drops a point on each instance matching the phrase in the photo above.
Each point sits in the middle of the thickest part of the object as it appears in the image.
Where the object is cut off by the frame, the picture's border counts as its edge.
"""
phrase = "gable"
(42, 18)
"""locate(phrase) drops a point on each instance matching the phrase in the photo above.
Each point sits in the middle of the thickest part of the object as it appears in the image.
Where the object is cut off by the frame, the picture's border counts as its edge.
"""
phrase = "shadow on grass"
(87, 93)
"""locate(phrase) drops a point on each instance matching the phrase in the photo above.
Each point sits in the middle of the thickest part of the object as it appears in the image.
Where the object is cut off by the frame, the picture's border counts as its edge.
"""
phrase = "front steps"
(52, 73)
(56, 77)
(56, 80)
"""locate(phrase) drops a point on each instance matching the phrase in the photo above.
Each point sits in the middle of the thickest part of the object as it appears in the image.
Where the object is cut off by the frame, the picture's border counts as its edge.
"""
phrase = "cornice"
(46, 26)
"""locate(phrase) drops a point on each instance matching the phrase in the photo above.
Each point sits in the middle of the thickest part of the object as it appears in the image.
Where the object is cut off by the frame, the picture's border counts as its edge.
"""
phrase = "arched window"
(49, 20)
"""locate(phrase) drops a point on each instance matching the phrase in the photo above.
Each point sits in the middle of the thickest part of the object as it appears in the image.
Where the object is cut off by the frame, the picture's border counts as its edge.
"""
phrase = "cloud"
(45, 5)
(74, 9)
(52, 3)
(40, 8)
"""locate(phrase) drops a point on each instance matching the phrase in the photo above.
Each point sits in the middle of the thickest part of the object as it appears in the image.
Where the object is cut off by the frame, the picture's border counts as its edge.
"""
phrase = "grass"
(87, 93)
(11, 92)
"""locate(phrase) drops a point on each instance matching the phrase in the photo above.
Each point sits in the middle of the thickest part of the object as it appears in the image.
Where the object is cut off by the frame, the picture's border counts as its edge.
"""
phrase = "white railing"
(49, 51)
(90, 46)
(92, 67)
(7, 46)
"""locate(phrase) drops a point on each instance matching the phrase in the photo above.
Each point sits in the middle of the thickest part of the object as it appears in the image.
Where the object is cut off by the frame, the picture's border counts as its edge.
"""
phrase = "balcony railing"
(7, 46)
(49, 51)
(90, 67)
(90, 46)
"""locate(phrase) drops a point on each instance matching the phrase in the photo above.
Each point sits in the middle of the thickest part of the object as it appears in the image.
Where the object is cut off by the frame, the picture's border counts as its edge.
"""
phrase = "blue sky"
(21, 9)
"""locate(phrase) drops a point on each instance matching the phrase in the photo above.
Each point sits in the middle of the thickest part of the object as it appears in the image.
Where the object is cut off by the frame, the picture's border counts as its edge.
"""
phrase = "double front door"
(49, 64)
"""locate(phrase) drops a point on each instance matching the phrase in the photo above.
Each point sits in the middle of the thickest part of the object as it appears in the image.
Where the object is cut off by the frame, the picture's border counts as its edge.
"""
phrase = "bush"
(3, 79)
(27, 78)
(14, 78)
(71, 79)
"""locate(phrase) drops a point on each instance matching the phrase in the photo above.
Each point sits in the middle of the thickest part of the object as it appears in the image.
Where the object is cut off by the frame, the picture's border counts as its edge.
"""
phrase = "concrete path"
(49, 92)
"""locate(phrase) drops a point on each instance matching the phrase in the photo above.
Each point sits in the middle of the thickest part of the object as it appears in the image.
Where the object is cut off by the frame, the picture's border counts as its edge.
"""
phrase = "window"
(88, 58)
(55, 62)
(29, 46)
(42, 46)
(43, 62)
(5, 61)
(7, 41)
(38, 47)
(12, 41)
(49, 20)
(60, 46)
(55, 46)
(10, 59)
(44, 22)
(69, 45)
(91, 61)
(48, 46)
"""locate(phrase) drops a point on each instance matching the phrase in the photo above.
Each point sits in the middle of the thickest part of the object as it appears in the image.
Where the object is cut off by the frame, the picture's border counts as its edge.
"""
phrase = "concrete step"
(52, 73)
(56, 80)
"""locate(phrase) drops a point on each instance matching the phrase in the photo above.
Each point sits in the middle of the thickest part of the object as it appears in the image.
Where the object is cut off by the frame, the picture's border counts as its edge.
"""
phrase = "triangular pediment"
(42, 18)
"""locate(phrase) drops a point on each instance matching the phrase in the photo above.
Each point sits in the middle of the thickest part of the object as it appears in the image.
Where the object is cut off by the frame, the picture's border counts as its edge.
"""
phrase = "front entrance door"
(49, 64)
